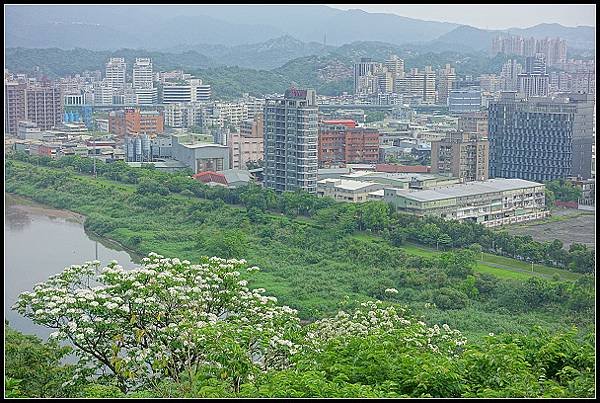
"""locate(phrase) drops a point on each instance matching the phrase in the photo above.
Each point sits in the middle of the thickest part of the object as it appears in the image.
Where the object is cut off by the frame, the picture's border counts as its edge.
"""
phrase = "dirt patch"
(579, 229)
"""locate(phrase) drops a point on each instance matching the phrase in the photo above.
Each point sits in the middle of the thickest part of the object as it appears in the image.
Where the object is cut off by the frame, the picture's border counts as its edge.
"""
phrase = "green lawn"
(502, 273)
(537, 268)
(512, 268)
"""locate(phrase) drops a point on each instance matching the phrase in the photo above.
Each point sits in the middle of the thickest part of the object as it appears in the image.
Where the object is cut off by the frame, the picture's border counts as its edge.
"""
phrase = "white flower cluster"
(373, 318)
(156, 316)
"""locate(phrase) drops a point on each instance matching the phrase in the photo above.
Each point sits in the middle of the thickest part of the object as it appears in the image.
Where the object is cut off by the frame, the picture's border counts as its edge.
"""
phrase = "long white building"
(185, 91)
(492, 203)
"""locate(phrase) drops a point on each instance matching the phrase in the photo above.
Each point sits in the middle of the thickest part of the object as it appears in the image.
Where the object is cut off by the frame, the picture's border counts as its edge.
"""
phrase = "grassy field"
(500, 266)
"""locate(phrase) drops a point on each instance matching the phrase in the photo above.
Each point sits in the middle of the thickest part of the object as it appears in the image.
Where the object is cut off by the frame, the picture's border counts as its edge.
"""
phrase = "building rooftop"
(400, 176)
(202, 145)
(466, 189)
(361, 167)
(157, 164)
(326, 171)
(346, 184)
(392, 168)
(211, 177)
(236, 175)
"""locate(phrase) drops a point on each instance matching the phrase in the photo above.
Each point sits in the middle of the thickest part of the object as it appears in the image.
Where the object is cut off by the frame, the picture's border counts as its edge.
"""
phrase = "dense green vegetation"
(232, 81)
(563, 190)
(382, 364)
(374, 117)
(311, 249)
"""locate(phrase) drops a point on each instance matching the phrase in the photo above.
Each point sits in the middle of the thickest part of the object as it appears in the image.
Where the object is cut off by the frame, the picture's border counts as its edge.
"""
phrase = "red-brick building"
(341, 142)
(40, 103)
(132, 122)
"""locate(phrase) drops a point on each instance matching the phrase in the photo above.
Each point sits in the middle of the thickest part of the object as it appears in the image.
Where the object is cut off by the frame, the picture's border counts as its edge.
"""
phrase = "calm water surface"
(40, 241)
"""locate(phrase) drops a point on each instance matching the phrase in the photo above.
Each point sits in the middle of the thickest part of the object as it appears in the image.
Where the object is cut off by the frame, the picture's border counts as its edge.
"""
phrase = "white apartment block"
(146, 96)
(142, 73)
(203, 92)
(255, 106)
(73, 99)
(174, 93)
(222, 114)
(115, 73)
(103, 93)
(183, 115)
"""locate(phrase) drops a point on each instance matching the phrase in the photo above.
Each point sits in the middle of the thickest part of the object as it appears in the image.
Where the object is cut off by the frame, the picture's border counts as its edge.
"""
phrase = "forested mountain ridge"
(329, 72)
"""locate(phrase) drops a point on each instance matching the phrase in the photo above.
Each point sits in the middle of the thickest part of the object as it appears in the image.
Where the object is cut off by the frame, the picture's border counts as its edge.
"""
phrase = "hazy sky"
(489, 16)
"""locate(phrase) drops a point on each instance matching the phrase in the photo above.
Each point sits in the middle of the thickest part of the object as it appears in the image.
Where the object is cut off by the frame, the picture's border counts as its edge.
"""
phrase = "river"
(40, 241)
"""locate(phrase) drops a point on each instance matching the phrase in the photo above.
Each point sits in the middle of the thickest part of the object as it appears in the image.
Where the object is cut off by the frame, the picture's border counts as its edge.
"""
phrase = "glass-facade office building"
(541, 139)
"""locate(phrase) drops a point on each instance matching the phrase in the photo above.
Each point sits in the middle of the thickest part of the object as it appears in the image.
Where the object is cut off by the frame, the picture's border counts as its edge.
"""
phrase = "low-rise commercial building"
(164, 166)
(201, 157)
(346, 190)
(492, 203)
(402, 180)
(28, 131)
(231, 178)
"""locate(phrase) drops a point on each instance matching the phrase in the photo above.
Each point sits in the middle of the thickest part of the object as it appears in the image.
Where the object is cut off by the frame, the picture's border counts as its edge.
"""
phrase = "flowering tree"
(165, 319)
(372, 317)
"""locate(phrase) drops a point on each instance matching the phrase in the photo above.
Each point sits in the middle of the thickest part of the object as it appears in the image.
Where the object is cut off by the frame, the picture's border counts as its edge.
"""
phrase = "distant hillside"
(464, 38)
(57, 62)
(375, 50)
(156, 27)
(183, 27)
(116, 27)
(581, 37)
(264, 55)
